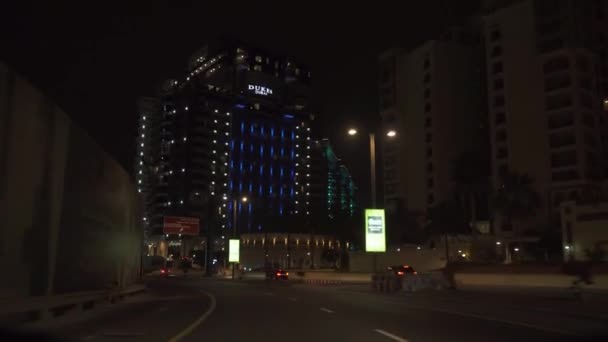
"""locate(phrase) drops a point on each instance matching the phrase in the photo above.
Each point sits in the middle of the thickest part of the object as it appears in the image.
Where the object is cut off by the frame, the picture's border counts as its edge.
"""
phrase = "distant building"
(547, 80)
(332, 190)
(432, 97)
(237, 124)
(584, 233)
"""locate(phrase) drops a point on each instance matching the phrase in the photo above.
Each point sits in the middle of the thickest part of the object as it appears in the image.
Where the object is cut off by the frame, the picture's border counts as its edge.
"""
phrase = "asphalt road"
(194, 309)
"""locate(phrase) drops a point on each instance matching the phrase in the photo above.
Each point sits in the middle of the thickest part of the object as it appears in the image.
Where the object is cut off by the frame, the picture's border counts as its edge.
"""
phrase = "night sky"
(94, 61)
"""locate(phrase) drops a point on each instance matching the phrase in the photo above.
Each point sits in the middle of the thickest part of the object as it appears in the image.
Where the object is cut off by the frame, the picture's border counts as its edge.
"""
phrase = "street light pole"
(372, 158)
(234, 226)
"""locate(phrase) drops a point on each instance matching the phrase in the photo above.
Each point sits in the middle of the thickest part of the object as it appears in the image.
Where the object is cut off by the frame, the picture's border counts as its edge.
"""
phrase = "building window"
(588, 120)
(555, 82)
(562, 159)
(560, 120)
(427, 93)
(558, 101)
(427, 107)
(258, 59)
(499, 101)
(499, 84)
(501, 135)
(429, 152)
(502, 169)
(564, 176)
(502, 153)
(429, 167)
(561, 139)
(585, 100)
(427, 122)
(497, 67)
(500, 118)
(430, 199)
(429, 137)
(427, 78)
(556, 64)
(429, 182)
(495, 35)
(582, 64)
(427, 63)
(496, 51)
(590, 139)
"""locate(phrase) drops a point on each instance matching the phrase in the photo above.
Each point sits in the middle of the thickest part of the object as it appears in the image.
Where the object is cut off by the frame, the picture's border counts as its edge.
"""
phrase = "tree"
(470, 172)
(516, 199)
(447, 218)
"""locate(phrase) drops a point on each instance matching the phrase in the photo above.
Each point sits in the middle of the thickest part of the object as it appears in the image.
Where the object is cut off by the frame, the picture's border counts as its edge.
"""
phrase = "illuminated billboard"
(233, 250)
(181, 225)
(375, 230)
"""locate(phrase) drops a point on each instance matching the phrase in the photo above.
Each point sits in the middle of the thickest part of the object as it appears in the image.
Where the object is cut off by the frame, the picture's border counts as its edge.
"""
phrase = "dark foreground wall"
(67, 210)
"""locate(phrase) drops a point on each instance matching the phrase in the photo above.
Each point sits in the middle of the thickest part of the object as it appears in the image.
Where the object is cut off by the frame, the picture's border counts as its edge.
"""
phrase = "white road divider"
(389, 335)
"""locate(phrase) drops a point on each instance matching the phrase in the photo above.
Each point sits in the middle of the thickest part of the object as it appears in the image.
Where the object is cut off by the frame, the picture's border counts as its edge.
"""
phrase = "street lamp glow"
(244, 199)
(498, 243)
(392, 133)
(352, 131)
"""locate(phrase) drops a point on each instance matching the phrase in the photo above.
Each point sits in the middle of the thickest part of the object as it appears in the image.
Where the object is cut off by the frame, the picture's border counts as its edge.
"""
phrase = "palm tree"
(515, 198)
(447, 218)
(470, 172)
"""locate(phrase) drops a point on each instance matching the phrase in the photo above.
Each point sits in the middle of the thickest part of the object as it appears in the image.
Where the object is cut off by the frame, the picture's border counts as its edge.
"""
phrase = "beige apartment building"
(546, 85)
(431, 97)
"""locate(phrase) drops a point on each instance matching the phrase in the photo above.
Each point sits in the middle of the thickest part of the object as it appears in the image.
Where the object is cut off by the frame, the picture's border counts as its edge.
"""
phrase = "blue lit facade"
(237, 124)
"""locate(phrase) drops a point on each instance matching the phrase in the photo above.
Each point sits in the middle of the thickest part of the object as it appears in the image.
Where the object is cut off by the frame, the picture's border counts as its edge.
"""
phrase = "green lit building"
(332, 188)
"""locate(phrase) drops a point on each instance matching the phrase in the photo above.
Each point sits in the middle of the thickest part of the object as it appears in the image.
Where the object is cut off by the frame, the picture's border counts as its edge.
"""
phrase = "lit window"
(139, 181)
(141, 153)
(142, 144)
(140, 172)
(183, 170)
(297, 137)
(215, 141)
(215, 131)
(143, 126)
(185, 139)
(214, 121)
(227, 114)
(171, 172)
(227, 124)
(308, 129)
(215, 111)
(143, 135)
(213, 182)
(186, 108)
(308, 175)
(138, 190)
(214, 151)
(141, 162)
(214, 162)
(144, 117)
(181, 202)
(227, 133)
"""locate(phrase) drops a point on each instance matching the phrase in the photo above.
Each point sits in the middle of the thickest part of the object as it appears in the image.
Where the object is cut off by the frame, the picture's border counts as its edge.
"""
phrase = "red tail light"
(162, 271)
(286, 273)
(278, 273)
(400, 273)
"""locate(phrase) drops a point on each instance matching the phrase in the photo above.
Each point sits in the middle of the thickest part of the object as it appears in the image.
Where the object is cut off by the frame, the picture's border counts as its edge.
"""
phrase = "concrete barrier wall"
(67, 209)
(524, 280)
(421, 260)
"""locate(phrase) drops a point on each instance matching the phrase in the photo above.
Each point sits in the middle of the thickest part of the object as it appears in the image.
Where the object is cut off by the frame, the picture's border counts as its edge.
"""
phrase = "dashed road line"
(326, 310)
(389, 335)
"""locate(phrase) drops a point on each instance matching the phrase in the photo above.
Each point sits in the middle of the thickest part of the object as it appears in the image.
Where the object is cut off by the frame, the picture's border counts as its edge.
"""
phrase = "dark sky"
(94, 61)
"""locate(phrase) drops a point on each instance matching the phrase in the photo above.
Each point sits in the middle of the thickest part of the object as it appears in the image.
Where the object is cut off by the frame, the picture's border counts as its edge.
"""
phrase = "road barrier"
(46, 307)
(383, 282)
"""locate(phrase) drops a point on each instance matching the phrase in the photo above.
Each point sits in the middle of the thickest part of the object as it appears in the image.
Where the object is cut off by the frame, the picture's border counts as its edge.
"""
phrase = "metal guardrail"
(45, 304)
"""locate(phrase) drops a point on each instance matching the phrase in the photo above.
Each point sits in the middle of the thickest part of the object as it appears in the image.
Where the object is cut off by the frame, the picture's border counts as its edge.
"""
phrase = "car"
(402, 270)
(279, 274)
(164, 272)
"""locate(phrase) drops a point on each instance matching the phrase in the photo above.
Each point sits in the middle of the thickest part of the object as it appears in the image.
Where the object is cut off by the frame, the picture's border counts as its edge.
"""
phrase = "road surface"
(195, 309)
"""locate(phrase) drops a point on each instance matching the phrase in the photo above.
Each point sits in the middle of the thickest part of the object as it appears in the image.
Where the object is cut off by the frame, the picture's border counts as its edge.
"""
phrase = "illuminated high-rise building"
(236, 124)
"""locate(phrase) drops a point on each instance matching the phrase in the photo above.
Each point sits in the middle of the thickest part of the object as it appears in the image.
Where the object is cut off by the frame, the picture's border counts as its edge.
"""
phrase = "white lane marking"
(326, 310)
(292, 299)
(197, 322)
(499, 320)
(389, 335)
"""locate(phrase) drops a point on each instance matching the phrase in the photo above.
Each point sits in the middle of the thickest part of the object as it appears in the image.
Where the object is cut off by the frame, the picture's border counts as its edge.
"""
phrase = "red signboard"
(181, 225)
